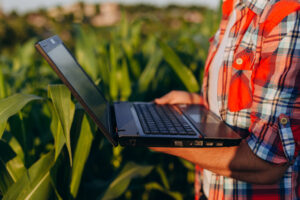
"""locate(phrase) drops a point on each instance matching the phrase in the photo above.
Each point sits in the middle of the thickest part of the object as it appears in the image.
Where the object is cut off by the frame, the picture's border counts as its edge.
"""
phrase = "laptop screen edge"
(44, 47)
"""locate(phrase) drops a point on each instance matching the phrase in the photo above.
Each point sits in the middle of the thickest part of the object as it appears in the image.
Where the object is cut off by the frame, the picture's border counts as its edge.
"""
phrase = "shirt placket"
(230, 48)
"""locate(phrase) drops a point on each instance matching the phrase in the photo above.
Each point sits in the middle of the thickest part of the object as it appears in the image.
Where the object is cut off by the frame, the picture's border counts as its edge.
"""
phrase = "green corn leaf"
(163, 177)
(2, 128)
(134, 65)
(15, 145)
(113, 84)
(12, 105)
(182, 71)
(6, 179)
(124, 82)
(3, 92)
(190, 166)
(24, 55)
(60, 176)
(120, 184)
(81, 154)
(103, 63)
(15, 166)
(35, 184)
(17, 129)
(136, 34)
(149, 72)
(27, 51)
(64, 109)
(85, 45)
(149, 46)
(124, 26)
(6, 154)
(156, 186)
(57, 132)
(76, 125)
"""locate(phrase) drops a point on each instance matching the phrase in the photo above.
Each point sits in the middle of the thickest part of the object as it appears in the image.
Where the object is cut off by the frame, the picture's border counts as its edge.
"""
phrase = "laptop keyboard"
(157, 119)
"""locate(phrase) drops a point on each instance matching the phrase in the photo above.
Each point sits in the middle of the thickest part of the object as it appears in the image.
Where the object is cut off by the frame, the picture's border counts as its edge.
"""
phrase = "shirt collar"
(256, 6)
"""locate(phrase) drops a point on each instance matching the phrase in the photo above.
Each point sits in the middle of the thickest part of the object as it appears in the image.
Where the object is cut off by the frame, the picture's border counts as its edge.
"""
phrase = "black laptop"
(137, 123)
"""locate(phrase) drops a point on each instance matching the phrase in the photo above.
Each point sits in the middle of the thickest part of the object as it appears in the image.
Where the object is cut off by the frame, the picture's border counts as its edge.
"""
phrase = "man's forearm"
(237, 162)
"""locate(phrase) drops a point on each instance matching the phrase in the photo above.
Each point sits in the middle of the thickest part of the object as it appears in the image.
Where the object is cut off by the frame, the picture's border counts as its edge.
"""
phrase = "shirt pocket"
(240, 92)
(243, 59)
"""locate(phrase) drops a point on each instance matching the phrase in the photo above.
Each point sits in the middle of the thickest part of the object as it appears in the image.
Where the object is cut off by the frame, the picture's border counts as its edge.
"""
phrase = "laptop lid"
(80, 84)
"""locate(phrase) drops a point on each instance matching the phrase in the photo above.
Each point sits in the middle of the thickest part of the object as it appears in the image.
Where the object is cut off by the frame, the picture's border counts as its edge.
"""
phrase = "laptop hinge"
(113, 124)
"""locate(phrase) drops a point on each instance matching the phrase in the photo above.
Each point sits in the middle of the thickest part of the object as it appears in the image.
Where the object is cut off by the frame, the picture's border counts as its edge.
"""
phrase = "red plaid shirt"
(259, 90)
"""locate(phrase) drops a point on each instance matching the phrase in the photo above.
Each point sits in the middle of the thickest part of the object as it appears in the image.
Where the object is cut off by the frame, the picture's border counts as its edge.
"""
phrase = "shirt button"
(283, 121)
(239, 61)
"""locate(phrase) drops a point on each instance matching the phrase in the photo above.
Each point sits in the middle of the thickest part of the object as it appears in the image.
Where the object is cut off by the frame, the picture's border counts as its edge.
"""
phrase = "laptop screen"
(81, 83)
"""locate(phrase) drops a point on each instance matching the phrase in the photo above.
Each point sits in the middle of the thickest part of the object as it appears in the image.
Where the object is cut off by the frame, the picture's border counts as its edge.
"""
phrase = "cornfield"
(50, 148)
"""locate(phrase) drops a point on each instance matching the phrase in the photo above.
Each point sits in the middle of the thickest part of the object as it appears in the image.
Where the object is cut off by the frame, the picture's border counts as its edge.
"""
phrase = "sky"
(29, 5)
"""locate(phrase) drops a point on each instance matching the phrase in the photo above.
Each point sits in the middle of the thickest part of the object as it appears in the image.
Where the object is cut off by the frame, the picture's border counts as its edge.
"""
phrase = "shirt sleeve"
(275, 110)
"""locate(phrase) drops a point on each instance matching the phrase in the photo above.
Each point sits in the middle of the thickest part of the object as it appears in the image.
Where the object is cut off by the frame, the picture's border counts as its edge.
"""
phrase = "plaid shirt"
(259, 90)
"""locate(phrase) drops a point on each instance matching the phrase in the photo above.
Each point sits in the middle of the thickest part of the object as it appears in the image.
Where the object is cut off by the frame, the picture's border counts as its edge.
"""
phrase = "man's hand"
(180, 97)
(237, 162)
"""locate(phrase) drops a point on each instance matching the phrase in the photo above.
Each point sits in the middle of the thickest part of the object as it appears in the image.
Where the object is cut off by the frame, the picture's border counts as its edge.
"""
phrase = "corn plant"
(51, 149)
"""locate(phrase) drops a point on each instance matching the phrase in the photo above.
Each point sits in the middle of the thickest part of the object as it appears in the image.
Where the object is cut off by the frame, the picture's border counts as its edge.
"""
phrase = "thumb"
(162, 100)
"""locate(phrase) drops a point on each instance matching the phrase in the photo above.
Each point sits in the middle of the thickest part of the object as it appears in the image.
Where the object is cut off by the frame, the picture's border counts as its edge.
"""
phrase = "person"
(252, 82)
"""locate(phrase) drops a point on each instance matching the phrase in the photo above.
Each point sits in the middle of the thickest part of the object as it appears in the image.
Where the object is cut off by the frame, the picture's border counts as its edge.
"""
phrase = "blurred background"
(133, 50)
(25, 6)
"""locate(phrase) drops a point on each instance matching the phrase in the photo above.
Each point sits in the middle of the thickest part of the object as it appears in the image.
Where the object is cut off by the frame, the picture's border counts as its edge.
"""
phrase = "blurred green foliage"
(50, 151)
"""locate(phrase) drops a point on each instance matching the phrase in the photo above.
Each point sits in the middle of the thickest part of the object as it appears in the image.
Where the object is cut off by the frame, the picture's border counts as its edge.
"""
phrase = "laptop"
(137, 123)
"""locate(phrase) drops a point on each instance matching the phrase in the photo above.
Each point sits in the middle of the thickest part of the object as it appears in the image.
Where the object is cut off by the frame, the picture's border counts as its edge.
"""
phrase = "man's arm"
(237, 162)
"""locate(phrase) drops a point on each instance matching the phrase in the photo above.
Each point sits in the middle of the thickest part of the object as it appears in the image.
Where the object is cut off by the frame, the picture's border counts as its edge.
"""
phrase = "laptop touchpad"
(195, 117)
(206, 122)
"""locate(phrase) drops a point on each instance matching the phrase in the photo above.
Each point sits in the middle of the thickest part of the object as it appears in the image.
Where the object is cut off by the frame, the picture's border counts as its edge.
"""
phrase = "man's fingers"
(171, 151)
(160, 101)
(164, 99)
(160, 149)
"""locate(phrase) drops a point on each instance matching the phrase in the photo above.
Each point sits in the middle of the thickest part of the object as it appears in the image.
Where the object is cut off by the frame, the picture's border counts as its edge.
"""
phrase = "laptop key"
(172, 130)
(191, 132)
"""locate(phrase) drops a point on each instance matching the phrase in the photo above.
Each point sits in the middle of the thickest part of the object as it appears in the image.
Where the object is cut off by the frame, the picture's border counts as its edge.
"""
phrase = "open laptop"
(137, 123)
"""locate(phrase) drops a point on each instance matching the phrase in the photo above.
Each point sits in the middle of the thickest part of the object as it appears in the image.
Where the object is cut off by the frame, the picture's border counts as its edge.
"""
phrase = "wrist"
(196, 98)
